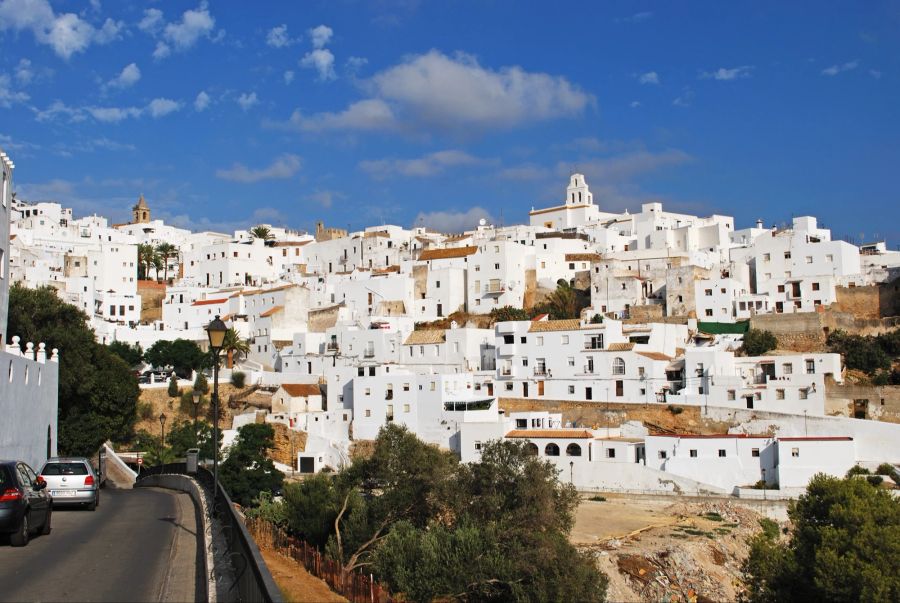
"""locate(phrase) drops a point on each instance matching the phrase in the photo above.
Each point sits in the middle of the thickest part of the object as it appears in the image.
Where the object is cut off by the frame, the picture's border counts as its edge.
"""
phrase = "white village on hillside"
(350, 331)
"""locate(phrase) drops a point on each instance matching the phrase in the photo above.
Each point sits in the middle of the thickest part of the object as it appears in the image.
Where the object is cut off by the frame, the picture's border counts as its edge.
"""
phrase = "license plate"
(63, 493)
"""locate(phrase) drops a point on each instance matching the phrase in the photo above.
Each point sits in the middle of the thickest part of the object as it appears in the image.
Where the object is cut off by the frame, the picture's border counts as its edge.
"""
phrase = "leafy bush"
(675, 410)
(598, 498)
(860, 353)
(886, 469)
(857, 470)
(507, 313)
(238, 379)
(173, 390)
(201, 384)
(596, 319)
(875, 480)
(757, 343)
(769, 528)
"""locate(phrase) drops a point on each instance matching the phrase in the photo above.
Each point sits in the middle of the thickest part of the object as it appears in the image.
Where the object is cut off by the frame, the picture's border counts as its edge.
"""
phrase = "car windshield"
(64, 469)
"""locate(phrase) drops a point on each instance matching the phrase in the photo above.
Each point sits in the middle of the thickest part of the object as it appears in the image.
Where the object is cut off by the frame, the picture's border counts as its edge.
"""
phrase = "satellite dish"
(482, 222)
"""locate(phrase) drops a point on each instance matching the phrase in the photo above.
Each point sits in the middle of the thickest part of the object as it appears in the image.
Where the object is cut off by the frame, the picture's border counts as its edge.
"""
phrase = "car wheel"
(20, 538)
(45, 529)
(92, 505)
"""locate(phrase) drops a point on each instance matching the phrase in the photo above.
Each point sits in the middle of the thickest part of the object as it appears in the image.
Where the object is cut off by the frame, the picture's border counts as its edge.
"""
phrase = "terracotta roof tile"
(301, 389)
(582, 257)
(207, 302)
(550, 433)
(542, 326)
(655, 355)
(447, 253)
(271, 311)
(426, 336)
(620, 347)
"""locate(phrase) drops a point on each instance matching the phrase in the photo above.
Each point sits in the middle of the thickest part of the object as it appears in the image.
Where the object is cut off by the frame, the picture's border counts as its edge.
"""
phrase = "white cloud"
(9, 96)
(152, 22)
(355, 64)
(278, 37)
(685, 99)
(836, 69)
(113, 114)
(288, 76)
(322, 61)
(428, 165)
(450, 221)
(372, 114)
(634, 104)
(128, 77)
(320, 36)
(66, 33)
(325, 197)
(24, 73)
(284, 166)
(622, 168)
(528, 171)
(725, 74)
(451, 92)
(651, 77)
(875, 73)
(178, 35)
(246, 101)
(201, 102)
(636, 17)
(160, 107)
(58, 109)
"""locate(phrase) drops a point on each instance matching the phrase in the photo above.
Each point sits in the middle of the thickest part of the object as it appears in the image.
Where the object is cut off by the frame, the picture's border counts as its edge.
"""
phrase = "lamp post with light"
(162, 425)
(216, 330)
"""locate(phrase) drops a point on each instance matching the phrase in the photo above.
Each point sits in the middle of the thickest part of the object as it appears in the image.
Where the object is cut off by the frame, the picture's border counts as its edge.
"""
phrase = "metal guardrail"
(252, 579)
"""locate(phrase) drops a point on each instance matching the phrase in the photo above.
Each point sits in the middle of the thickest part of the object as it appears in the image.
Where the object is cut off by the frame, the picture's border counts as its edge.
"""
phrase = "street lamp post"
(216, 332)
(571, 472)
(162, 425)
(195, 396)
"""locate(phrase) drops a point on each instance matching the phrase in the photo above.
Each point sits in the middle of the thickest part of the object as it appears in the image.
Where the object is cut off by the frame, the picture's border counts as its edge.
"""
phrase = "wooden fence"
(356, 587)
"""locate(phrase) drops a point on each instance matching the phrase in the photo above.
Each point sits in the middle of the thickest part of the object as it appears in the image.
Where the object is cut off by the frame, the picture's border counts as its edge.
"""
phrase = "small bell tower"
(140, 213)
(578, 193)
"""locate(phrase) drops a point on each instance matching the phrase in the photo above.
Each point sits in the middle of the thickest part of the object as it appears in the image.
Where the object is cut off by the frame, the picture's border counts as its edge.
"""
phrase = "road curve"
(139, 545)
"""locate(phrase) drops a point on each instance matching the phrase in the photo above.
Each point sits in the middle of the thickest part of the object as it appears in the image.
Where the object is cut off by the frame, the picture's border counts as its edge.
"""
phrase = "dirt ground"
(659, 549)
(297, 584)
(162, 403)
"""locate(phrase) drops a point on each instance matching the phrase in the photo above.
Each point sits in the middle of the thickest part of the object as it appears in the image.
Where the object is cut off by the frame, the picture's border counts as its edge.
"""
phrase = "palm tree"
(563, 302)
(234, 346)
(146, 255)
(261, 232)
(157, 263)
(166, 251)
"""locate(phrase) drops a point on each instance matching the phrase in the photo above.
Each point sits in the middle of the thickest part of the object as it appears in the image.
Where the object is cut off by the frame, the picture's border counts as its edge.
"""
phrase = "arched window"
(618, 366)
(573, 450)
(531, 448)
(551, 449)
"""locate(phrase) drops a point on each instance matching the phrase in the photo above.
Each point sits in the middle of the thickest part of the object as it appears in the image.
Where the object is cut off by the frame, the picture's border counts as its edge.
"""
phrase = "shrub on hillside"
(757, 342)
(238, 379)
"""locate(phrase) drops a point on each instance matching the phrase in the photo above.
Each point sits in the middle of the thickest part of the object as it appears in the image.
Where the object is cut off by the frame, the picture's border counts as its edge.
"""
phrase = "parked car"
(72, 481)
(25, 504)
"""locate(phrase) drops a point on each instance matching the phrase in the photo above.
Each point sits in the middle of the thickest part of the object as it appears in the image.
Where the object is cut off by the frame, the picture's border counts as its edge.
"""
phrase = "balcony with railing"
(541, 371)
(369, 353)
(494, 289)
(332, 347)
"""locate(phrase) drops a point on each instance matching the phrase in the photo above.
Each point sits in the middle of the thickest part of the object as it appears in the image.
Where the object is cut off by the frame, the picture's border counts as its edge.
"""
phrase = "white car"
(72, 481)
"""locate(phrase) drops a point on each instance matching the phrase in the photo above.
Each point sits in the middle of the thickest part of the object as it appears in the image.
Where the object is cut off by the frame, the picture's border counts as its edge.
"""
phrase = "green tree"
(98, 391)
(173, 390)
(311, 507)
(860, 353)
(187, 434)
(248, 471)
(238, 379)
(147, 258)
(165, 251)
(131, 354)
(565, 302)
(234, 346)
(182, 355)
(844, 546)
(261, 232)
(201, 384)
(757, 342)
(507, 313)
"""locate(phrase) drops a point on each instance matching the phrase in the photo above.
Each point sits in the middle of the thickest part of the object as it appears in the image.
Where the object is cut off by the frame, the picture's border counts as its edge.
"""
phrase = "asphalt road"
(139, 545)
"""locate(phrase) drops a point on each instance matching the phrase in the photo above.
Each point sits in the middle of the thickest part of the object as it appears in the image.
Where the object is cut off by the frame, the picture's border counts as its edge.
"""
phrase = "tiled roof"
(207, 302)
(654, 355)
(301, 389)
(271, 311)
(387, 270)
(582, 434)
(541, 326)
(712, 436)
(582, 257)
(620, 347)
(817, 439)
(447, 253)
(426, 336)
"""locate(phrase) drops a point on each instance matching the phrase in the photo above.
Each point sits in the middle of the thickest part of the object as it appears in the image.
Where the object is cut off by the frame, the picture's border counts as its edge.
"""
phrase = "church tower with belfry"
(140, 213)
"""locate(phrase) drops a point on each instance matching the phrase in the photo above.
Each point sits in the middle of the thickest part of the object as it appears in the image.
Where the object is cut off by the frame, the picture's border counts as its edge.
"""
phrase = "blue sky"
(227, 114)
